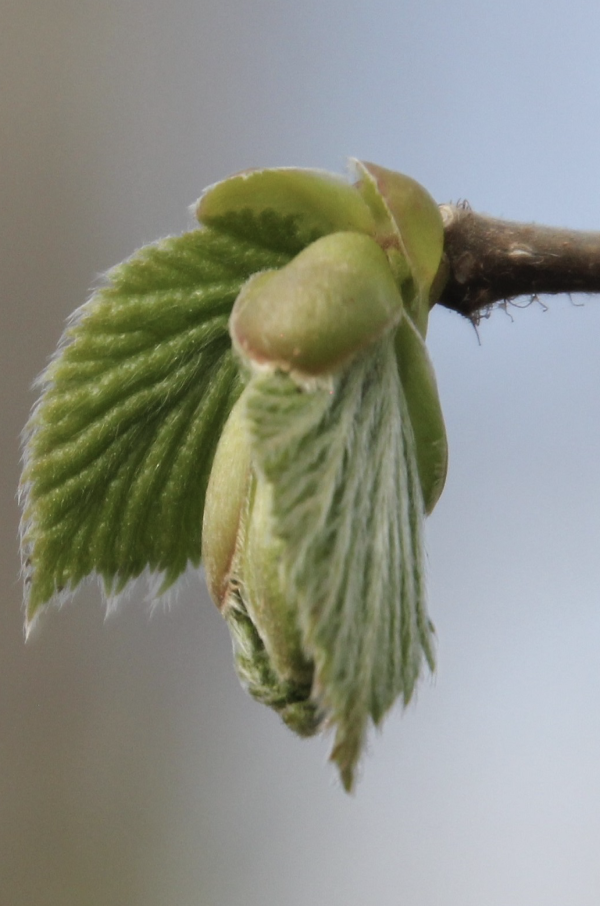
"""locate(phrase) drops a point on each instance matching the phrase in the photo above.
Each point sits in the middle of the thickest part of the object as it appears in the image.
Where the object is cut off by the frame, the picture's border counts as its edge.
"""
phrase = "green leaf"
(120, 445)
(406, 212)
(346, 520)
(290, 698)
(312, 203)
(420, 390)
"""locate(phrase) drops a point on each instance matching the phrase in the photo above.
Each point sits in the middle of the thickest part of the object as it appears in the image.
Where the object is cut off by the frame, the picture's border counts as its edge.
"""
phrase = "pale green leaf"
(314, 202)
(405, 210)
(420, 390)
(347, 505)
(312, 316)
(120, 445)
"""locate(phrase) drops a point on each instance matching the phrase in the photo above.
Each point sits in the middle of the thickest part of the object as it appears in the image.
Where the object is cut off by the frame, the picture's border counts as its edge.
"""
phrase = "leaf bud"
(312, 316)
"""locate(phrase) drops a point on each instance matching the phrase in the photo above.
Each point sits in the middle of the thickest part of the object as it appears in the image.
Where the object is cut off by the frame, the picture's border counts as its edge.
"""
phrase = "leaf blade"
(347, 504)
(119, 447)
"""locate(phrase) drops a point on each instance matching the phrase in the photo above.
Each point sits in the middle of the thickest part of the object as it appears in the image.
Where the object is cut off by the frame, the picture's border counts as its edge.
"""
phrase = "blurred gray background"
(133, 769)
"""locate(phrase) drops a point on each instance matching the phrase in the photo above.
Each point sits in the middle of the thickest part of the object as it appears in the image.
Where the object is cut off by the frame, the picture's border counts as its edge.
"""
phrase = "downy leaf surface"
(120, 445)
(341, 463)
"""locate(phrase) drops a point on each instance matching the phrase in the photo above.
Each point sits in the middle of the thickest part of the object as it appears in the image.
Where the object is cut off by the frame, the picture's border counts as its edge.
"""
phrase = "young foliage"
(346, 509)
(120, 444)
(297, 463)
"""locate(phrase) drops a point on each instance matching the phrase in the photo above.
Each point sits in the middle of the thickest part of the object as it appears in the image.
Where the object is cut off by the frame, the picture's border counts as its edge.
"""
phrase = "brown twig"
(488, 260)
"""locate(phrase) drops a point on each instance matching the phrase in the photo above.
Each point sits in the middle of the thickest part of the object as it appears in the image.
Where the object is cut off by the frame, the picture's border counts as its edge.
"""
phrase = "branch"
(488, 260)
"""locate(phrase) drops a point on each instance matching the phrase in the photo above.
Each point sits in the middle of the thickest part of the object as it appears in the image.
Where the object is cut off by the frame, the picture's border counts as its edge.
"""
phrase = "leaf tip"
(30, 627)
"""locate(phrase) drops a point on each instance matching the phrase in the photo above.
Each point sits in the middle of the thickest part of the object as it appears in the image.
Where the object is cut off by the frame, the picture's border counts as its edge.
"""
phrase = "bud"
(225, 505)
(312, 517)
(409, 220)
(424, 408)
(241, 559)
(332, 300)
(312, 531)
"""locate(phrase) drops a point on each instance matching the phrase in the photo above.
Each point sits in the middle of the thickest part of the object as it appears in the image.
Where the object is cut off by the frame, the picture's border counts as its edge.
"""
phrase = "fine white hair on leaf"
(347, 505)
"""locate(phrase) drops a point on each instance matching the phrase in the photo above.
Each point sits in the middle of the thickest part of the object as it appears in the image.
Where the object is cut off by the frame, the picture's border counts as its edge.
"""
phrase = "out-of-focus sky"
(133, 769)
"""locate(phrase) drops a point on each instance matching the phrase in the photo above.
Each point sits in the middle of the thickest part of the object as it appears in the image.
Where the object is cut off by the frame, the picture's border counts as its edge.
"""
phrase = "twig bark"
(488, 260)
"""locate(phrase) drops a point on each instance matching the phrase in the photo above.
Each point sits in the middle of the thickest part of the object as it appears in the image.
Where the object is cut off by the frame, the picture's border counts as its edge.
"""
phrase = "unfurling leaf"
(346, 513)
(297, 465)
(333, 299)
(120, 445)
(318, 545)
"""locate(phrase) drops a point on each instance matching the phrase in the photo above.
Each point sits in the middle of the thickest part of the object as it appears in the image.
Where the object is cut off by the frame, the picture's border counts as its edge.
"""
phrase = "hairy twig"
(488, 260)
